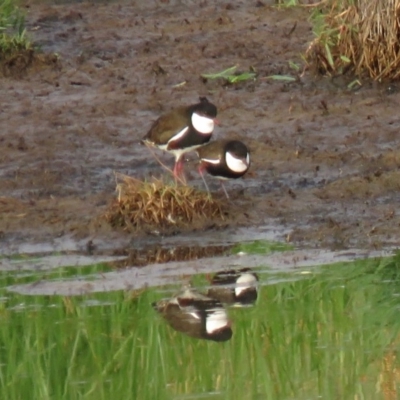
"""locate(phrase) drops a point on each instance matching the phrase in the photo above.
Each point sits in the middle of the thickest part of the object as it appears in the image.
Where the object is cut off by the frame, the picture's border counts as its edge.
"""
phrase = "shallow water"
(110, 278)
(313, 332)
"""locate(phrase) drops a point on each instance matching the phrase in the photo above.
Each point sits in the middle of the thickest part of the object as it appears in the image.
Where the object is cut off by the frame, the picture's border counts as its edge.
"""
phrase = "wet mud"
(325, 158)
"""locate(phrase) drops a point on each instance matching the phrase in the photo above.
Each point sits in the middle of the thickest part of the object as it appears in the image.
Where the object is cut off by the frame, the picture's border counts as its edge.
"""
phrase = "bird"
(223, 159)
(196, 315)
(237, 287)
(182, 130)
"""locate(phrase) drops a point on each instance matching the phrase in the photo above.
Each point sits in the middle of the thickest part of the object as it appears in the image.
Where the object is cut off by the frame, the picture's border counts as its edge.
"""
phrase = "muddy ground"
(325, 159)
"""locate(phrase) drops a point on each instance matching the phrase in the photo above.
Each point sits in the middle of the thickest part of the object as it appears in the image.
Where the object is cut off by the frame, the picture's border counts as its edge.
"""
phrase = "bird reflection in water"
(234, 287)
(196, 315)
(204, 316)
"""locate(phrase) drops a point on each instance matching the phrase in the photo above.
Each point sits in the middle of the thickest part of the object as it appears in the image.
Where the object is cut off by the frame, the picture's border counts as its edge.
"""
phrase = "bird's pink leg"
(202, 177)
(178, 170)
(223, 187)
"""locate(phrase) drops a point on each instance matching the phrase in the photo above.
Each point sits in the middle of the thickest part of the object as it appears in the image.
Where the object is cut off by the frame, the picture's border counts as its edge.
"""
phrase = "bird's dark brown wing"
(212, 150)
(167, 126)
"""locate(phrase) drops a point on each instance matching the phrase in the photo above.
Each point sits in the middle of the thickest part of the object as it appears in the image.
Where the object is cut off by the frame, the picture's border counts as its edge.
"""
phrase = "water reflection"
(332, 333)
(236, 287)
(160, 254)
(203, 316)
(196, 315)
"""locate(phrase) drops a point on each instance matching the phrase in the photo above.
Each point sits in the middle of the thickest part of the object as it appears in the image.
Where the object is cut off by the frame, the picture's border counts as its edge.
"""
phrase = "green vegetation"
(329, 334)
(261, 247)
(13, 36)
(231, 76)
(288, 3)
(288, 78)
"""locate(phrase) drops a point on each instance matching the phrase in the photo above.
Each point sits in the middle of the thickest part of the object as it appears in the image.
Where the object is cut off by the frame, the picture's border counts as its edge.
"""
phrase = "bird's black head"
(221, 335)
(237, 148)
(205, 108)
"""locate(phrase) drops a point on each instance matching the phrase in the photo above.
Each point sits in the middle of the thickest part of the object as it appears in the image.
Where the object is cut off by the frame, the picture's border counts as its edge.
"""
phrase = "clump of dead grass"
(361, 36)
(156, 204)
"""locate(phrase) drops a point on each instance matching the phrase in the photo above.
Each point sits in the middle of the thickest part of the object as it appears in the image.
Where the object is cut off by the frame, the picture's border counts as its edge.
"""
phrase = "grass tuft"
(18, 54)
(13, 36)
(358, 36)
(156, 204)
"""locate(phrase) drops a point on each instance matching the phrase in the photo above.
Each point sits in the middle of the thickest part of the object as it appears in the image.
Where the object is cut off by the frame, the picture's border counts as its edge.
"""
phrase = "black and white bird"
(196, 315)
(224, 159)
(236, 287)
(182, 130)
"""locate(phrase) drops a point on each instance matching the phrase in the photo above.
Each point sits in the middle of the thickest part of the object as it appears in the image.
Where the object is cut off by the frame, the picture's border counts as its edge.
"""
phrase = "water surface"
(327, 332)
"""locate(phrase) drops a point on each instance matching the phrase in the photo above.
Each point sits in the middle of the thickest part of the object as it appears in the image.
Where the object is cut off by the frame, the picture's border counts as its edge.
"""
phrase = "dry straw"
(155, 204)
(357, 35)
